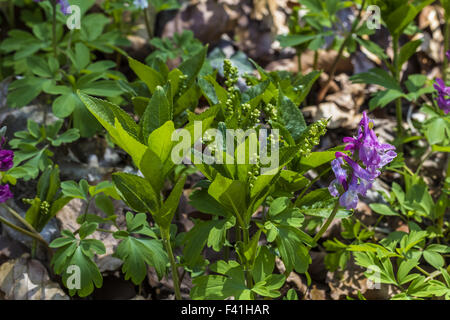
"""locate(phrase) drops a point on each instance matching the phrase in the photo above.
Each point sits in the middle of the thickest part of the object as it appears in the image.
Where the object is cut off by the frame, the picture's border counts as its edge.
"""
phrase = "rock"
(111, 158)
(317, 294)
(326, 110)
(349, 282)
(207, 19)
(10, 249)
(49, 232)
(16, 119)
(27, 279)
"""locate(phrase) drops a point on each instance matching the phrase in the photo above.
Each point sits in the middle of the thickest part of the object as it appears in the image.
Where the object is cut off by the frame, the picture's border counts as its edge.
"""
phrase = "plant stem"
(248, 275)
(149, 17)
(446, 48)
(423, 271)
(398, 102)
(299, 61)
(327, 223)
(324, 90)
(55, 53)
(37, 237)
(12, 22)
(19, 217)
(166, 239)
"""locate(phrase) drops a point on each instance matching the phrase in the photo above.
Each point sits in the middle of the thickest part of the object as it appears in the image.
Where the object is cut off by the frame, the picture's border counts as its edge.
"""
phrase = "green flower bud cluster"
(212, 146)
(271, 111)
(183, 85)
(45, 207)
(231, 74)
(252, 116)
(28, 201)
(311, 137)
(255, 170)
(298, 88)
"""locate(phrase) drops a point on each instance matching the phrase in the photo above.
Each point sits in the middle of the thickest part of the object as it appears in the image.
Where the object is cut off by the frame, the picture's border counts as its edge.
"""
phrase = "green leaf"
(291, 116)
(69, 136)
(316, 159)
(72, 189)
(293, 40)
(292, 250)
(230, 284)
(383, 209)
(137, 254)
(136, 192)
(165, 215)
(22, 92)
(434, 258)
(148, 75)
(229, 193)
(87, 229)
(383, 98)
(157, 162)
(192, 66)
(408, 50)
(71, 253)
(119, 125)
(158, 112)
(64, 105)
(377, 76)
(264, 264)
(270, 286)
(211, 233)
(202, 201)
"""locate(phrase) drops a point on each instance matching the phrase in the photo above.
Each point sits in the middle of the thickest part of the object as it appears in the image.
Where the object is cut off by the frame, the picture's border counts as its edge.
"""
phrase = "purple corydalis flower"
(5, 193)
(443, 99)
(368, 156)
(65, 6)
(6, 160)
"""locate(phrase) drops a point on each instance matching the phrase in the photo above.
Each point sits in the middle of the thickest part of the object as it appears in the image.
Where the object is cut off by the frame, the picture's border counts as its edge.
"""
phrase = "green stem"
(327, 223)
(35, 236)
(19, 217)
(149, 17)
(248, 274)
(312, 182)
(324, 91)
(166, 239)
(299, 61)
(55, 53)
(398, 102)
(12, 19)
(423, 271)
(446, 48)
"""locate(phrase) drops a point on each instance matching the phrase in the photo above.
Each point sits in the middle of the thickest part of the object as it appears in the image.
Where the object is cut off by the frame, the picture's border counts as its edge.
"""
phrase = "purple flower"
(443, 98)
(368, 156)
(65, 6)
(5, 193)
(6, 159)
(448, 54)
